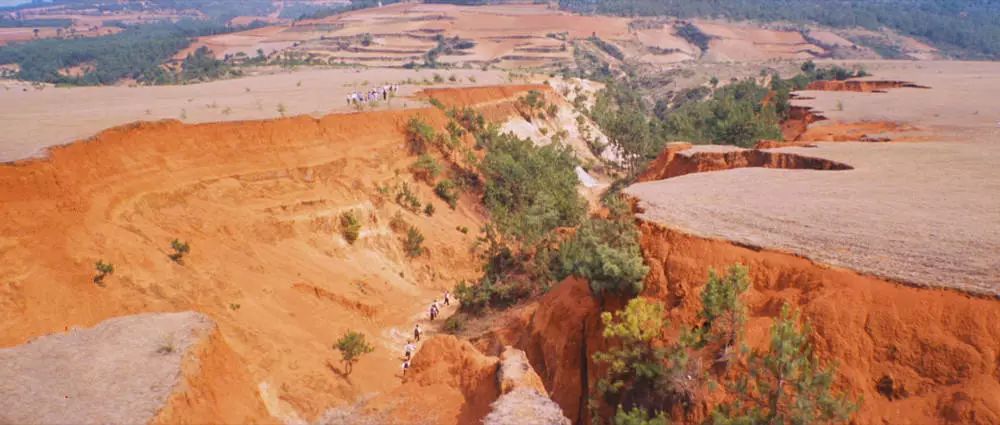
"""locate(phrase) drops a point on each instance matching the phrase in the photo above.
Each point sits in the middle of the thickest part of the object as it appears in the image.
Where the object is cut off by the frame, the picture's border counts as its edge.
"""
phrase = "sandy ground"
(117, 372)
(924, 213)
(32, 119)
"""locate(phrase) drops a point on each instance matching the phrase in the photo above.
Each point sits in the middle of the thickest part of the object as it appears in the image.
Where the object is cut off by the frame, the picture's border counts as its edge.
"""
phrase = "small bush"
(454, 324)
(413, 245)
(447, 191)
(429, 209)
(407, 199)
(180, 250)
(397, 223)
(103, 270)
(463, 229)
(418, 134)
(350, 226)
(167, 345)
(352, 346)
(426, 168)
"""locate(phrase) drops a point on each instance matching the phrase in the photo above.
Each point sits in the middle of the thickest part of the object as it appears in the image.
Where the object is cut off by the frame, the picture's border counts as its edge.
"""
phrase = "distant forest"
(969, 28)
(139, 51)
(136, 53)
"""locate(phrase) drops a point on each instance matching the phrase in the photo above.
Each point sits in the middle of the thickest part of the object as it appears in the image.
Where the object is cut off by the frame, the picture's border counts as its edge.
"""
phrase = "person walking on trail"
(416, 332)
(434, 310)
(447, 299)
(406, 366)
(408, 349)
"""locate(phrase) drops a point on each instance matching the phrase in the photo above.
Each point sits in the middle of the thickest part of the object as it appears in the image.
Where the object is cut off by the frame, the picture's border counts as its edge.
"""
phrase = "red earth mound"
(260, 203)
(938, 348)
(676, 160)
(860, 85)
(450, 379)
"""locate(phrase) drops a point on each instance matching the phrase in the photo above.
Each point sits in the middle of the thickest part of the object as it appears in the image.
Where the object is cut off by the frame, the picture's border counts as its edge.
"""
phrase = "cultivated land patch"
(923, 213)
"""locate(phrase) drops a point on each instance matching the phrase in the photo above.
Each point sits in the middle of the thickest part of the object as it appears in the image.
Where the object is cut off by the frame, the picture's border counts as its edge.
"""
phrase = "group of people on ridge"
(410, 348)
(372, 95)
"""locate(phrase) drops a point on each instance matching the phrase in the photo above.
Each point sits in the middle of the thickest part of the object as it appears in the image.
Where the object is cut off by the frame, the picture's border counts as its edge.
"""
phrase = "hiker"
(416, 332)
(406, 366)
(433, 312)
(408, 349)
(447, 299)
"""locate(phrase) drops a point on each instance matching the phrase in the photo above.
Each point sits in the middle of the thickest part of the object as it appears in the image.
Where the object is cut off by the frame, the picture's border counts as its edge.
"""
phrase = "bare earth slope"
(924, 213)
(260, 204)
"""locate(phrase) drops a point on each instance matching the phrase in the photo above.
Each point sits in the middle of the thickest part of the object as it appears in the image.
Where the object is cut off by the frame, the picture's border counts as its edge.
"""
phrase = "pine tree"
(786, 384)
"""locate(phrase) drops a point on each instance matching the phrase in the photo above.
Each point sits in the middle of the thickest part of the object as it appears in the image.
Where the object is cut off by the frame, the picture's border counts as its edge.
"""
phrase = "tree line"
(135, 53)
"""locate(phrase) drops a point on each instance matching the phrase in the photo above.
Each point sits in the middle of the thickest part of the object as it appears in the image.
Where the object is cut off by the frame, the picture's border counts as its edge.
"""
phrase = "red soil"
(940, 347)
(449, 382)
(217, 388)
(674, 161)
(860, 85)
(258, 201)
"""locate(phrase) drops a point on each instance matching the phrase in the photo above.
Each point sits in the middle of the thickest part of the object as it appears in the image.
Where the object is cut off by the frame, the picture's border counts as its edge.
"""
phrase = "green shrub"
(454, 324)
(785, 384)
(607, 254)
(352, 346)
(419, 135)
(638, 416)
(722, 310)
(103, 270)
(426, 168)
(406, 198)
(552, 111)
(413, 245)
(397, 223)
(180, 250)
(446, 190)
(429, 209)
(635, 362)
(530, 190)
(350, 226)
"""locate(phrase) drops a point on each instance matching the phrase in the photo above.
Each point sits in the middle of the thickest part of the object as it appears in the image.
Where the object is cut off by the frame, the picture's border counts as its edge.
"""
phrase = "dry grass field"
(33, 119)
(924, 213)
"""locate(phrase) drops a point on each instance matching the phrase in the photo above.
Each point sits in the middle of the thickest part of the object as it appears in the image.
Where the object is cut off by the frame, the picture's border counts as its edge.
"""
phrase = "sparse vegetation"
(419, 135)
(406, 198)
(429, 209)
(785, 384)
(646, 377)
(446, 190)
(426, 168)
(180, 250)
(413, 245)
(350, 226)
(103, 270)
(454, 324)
(352, 346)
(167, 345)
